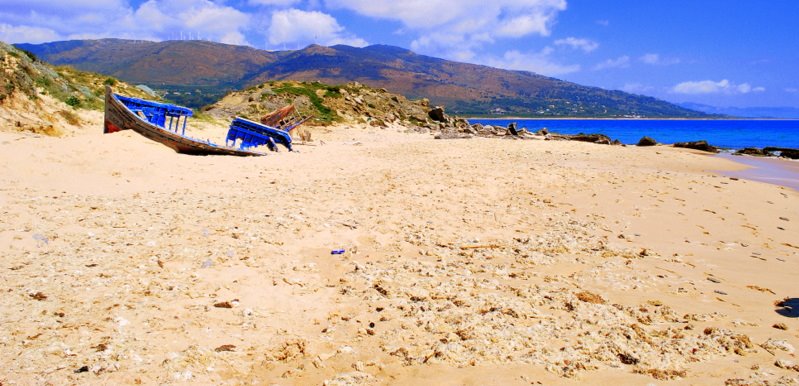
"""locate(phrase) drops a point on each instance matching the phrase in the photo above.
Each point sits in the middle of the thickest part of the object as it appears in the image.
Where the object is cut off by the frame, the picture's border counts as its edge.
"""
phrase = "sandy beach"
(466, 262)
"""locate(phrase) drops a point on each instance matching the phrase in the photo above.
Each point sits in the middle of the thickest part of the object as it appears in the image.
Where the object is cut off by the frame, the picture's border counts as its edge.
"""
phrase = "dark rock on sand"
(512, 129)
(593, 138)
(647, 141)
(543, 131)
(437, 114)
(753, 151)
(785, 152)
(790, 153)
(698, 145)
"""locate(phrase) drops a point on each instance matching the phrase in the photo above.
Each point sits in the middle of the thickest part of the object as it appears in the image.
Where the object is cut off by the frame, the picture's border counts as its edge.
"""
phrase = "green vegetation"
(309, 90)
(110, 82)
(200, 115)
(73, 101)
(31, 55)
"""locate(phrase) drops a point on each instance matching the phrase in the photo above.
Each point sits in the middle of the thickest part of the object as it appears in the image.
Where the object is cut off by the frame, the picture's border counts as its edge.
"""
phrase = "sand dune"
(479, 261)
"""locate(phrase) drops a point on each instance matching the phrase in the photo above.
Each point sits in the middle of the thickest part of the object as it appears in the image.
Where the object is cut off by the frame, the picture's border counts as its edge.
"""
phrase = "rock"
(784, 152)
(461, 123)
(780, 326)
(543, 131)
(377, 122)
(647, 141)
(592, 138)
(698, 145)
(753, 151)
(452, 135)
(784, 364)
(512, 129)
(778, 344)
(437, 114)
(790, 153)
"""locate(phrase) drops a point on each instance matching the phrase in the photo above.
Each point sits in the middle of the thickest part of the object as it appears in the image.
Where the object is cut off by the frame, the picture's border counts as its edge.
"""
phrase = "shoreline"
(775, 171)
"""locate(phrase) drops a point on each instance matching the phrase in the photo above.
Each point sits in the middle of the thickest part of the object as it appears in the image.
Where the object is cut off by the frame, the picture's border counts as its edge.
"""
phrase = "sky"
(726, 53)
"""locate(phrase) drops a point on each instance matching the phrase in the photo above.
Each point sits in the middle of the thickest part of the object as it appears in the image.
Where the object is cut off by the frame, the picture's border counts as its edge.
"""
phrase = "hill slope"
(37, 97)
(211, 69)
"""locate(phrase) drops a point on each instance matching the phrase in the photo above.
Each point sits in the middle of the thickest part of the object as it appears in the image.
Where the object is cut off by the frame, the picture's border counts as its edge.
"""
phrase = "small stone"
(225, 348)
(713, 279)
(38, 296)
(223, 305)
(780, 326)
(784, 364)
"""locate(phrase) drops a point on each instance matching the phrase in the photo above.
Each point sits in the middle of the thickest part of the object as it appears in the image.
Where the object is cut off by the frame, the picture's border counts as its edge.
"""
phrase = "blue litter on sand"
(337, 252)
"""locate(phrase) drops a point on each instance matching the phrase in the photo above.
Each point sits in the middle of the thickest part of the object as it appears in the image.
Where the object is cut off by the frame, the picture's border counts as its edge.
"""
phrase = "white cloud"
(576, 43)
(468, 23)
(538, 62)
(603, 22)
(16, 34)
(43, 20)
(302, 27)
(278, 3)
(620, 62)
(792, 90)
(656, 59)
(723, 86)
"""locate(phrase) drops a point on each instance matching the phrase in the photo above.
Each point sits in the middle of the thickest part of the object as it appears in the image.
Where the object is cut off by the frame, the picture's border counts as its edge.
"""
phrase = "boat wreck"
(166, 124)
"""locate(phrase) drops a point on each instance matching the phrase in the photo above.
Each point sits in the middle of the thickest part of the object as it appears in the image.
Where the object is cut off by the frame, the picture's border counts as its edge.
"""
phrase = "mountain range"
(746, 112)
(196, 73)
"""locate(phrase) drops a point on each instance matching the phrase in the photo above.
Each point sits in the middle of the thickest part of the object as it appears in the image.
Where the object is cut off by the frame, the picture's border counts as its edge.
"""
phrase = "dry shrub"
(70, 117)
(48, 130)
(304, 134)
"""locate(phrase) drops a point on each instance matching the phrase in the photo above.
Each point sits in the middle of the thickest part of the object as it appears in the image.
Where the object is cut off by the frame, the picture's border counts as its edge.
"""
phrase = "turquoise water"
(728, 134)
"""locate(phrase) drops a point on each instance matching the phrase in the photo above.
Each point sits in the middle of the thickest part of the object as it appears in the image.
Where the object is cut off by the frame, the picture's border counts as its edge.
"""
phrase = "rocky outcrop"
(698, 145)
(647, 141)
(753, 151)
(437, 114)
(784, 152)
(592, 138)
(790, 153)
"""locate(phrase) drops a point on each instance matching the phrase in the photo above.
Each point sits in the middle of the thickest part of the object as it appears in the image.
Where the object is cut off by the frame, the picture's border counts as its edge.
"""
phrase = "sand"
(478, 261)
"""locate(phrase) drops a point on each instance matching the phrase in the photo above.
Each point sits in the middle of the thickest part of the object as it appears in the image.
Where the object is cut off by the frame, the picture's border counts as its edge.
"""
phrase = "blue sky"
(724, 53)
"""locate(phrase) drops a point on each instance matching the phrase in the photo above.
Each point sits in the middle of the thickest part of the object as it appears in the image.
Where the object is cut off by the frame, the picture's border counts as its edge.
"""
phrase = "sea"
(725, 134)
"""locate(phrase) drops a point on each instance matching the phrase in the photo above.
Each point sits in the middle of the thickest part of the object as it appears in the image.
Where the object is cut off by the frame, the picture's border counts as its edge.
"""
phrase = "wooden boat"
(150, 119)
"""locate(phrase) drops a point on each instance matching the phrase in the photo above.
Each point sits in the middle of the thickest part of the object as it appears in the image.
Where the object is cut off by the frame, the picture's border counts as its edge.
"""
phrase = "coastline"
(776, 171)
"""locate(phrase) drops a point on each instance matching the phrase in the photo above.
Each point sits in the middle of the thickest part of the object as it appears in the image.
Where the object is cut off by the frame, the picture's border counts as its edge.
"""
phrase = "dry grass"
(70, 117)
(304, 134)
